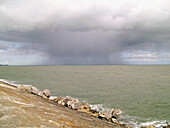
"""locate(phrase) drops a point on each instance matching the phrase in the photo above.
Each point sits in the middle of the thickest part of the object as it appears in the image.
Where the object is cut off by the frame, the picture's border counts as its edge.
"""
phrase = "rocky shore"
(26, 106)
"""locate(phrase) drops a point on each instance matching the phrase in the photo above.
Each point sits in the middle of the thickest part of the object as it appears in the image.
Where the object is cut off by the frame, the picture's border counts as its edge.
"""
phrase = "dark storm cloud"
(85, 32)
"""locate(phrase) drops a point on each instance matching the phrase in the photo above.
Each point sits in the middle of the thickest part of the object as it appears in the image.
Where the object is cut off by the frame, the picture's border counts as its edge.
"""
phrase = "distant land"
(3, 64)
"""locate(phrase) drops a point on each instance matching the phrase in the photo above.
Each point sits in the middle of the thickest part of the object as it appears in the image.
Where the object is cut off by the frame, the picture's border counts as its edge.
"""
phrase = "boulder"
(93, 112)
(57, 99)
(28, 89)
(47, 93)
(113, 120)
(41, 94)
(34, 90)
(22, 87)
(86, 106)
(61, 102)
(74, 105)
(75, 99)
(110, 115)
(106, 115)
(116, 113)
(68, 98)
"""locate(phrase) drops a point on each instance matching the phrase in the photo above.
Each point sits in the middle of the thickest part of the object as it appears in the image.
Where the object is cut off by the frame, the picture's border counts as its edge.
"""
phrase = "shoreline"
(48, 100)
(62, 116)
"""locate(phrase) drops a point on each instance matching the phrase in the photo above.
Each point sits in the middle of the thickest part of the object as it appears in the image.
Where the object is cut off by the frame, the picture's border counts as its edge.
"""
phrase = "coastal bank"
(26, 106)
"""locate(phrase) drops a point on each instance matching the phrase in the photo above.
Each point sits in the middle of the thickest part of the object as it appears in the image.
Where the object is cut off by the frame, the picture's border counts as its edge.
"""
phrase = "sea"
(142, 92)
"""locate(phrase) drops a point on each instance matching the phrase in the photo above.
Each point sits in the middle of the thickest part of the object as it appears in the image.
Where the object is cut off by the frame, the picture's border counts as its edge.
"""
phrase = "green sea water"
(142, 92)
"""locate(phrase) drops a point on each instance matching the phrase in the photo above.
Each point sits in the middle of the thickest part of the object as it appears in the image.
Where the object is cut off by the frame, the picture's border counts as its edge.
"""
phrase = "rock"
(86, 106)
(150, 126)
(113, 120)
(61, 102)
(41, 94)
(74, 105)
(47, 93)
(22, 87)
(28, 89)
(94, 113)
(57, 99)
(68, 98)
(107, 115)
(168, 126)
(75, 99)
(110, 115)
(34, 90)
(116, 113)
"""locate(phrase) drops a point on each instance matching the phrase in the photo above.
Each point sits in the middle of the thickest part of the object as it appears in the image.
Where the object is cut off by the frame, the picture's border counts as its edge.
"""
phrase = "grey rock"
(47, 93)
(22, 87)
(77, 106)
(58, 99)
(116, 113)
(41, 94)
(113, 120)
(34, 90)
(111, 115)
(86, 106)
(61, 102)
(107, 115)
(94, 112)
(74, 105)
(75, 99)
(28, 89)
(68, 98)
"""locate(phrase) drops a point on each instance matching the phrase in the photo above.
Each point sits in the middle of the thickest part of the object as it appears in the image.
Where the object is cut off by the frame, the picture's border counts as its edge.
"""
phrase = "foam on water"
(52, 97)
(131, 120)
(156, 123)
(99, 107)
(13, 83)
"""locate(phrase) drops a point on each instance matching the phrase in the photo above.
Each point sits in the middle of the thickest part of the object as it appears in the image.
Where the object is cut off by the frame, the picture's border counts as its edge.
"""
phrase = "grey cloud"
(85, 32)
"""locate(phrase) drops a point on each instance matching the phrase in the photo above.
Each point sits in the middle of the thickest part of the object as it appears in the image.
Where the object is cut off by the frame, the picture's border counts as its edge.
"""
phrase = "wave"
(136, 122)
(13, 83)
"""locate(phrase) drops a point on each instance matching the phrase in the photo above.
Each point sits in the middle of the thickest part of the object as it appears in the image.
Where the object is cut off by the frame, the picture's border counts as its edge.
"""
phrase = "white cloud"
(145, 57)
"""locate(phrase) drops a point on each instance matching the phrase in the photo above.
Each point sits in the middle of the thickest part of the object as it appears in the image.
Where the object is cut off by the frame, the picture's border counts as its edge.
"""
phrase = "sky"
(84, 32)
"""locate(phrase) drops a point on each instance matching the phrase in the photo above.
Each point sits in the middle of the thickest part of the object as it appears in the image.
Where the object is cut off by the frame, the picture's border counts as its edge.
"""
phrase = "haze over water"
(142, 92)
